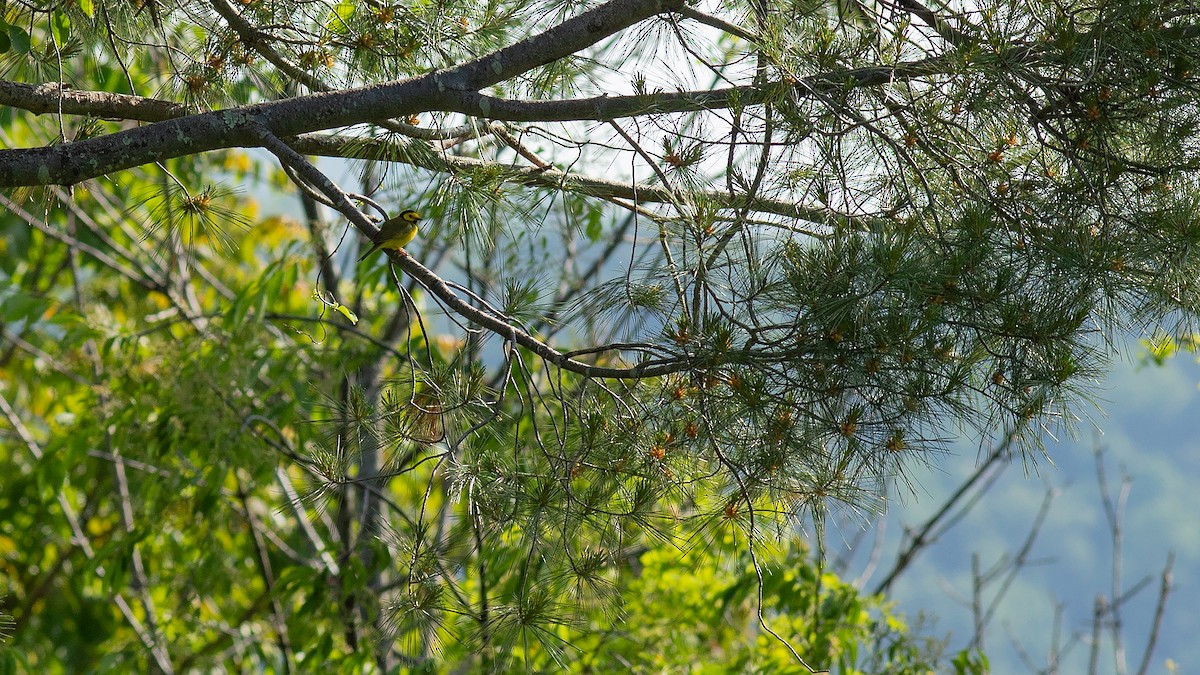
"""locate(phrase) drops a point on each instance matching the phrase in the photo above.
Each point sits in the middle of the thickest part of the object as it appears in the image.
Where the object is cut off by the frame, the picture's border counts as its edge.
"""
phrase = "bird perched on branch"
(395, 233)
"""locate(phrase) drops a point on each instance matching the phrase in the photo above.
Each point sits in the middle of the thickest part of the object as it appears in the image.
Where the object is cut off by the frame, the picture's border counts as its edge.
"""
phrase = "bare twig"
(924, 536)
(1164, 590)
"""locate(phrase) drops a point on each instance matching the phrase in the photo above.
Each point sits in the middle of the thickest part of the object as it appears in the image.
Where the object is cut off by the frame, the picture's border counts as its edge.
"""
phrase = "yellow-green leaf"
(60, 26)
(346, 312)
(338, 17)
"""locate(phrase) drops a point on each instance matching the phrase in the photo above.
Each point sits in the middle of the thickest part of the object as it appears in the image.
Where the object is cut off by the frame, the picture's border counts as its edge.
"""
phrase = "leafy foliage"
(660, 315)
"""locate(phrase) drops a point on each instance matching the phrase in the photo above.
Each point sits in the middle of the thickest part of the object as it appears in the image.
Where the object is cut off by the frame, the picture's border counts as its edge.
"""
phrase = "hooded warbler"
(395, 233)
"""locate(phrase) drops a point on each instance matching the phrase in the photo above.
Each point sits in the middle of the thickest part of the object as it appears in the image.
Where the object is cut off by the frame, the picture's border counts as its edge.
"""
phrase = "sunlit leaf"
(346, 312)
(339, 16)
(60, 26)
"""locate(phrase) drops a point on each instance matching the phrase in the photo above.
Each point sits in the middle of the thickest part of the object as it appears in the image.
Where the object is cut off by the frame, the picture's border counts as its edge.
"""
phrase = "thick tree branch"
(261, 43)
(71, 163)
(46, 98)
(58, 98)
(604, 107)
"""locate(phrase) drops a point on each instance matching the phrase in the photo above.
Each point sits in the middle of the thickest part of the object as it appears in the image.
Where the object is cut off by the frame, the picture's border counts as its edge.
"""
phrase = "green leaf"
(19, 306)
(19, 39)
(87, 8)
(338, 17)
(60, 26)
(1160, 348)
(10, 663)
(594, 227)
(5, 43)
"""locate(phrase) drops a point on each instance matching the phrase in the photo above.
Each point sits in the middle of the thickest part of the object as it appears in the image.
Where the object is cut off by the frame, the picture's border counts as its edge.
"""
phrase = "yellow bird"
(395, 233)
